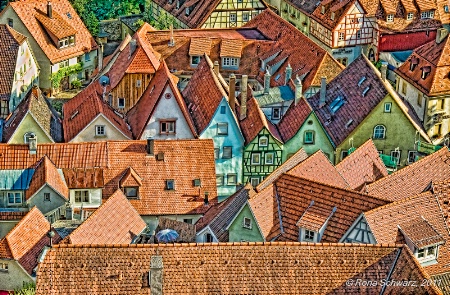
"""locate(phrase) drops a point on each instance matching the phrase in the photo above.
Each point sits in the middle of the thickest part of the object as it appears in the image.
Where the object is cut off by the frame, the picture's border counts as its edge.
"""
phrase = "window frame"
(47, 197)
(311, 141)
(216, 153)
(232, 175)
(266, 162)
(309, 235)
(221, 182)
(230, 62)
(196, 58)
(220, 128)
(100, 130)
(252, 159)
(168, 124)
(261, 139)
(390, 18)
(255, 179)
(414, 154)
(341, 36)
(410, 16)
(14, 193)
(233, 16)
(120, 105)
(376, 134)
(387, 107)
(245, 16)
(127, 189)
(399, 156)
(279, 113)
(247, 225)
(81, 201)
(170, 185)
(27, 136)
(229, 150)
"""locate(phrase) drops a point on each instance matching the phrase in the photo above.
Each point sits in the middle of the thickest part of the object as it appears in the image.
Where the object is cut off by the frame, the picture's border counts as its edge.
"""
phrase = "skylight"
(366, 90)
(336, 104)
(361, 80)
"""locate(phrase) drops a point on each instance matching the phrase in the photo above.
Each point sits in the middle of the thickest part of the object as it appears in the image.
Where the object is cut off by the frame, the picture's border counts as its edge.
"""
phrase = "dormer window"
(188, 11)
(195, 60)
(230, 62)
(313, 222)
(425, 72)
(309, 235)
(390, 18)
(413, 63)
(427, 14)
(131, 192)
(410, 16)
(66, 42)
(170, 184)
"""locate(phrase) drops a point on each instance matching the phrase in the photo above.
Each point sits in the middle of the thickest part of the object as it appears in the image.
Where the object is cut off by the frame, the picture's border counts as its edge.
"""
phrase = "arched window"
(27, 136)
(379, 132)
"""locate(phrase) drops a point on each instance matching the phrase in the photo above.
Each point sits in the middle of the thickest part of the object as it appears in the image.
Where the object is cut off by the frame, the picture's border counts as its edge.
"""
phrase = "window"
(195, 60)
(230, 62)
(167, 127)
(233, 17)
(121, 103)
(411, 156)
(256, 159)
(410, 16)
(14, 198)
(427, 253)
(219, 179)
(254, 181)
(308, 137)
(72, 40)
(223, 110)
(427, 14)
(216, 153)
(268, 158)
(404, 85)
(208, 238)
(387, 107)
(379, 132)
(419, 98)
(3, 266)
(263, 141)
(138, 83)
(245, 17)
(395, 155)
(10, 22)
(390, 18)
(358, 34)
(170, 184)
(231, 179)
(100, 130)
(47, 197)
(446, 9)
(276, 113)
(247, 223)
(336, 104)
(197, 182)
(309, 235)
(64, 64)
(27, 136)
(344, 154)
(227, 152)
(187, 220)
(332, 16)
(82, 196)
(110, 99)
(222, 128)
(341, 36)
(87, 57)
(131, 191)
(440, 104)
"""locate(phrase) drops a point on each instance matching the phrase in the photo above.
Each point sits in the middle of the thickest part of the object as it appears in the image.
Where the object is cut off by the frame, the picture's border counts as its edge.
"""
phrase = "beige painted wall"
(14, 277)
(88, 134)
(28, 124)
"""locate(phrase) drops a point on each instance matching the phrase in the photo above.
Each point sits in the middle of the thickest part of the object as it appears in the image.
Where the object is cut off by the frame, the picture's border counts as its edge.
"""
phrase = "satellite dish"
(103, 81)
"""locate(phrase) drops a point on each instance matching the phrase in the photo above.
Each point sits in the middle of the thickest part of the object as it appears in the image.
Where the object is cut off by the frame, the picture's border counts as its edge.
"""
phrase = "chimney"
(49, 9)
(266, 81)
(132, 47)
(155, 277)
(35, 91)
(288, 74)
(171, 39)
(244, 82)
(216, 67)
(69, 212)
(323, 91)
(206, 200)
(32, 144)
(150, 146)
(298, 90)
(383, 70)
(100, 56)
(232, 95)
(441, 34)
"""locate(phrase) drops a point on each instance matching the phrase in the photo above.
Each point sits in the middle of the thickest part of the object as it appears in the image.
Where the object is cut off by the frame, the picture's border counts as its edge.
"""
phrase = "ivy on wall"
(56, 78)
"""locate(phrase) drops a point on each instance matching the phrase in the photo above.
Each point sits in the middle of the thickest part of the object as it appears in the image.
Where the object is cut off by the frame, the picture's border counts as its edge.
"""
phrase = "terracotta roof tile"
(314, 217)
(420, 232)
(30, 11)
(9, 50)
(362, 166)
(55, 25)
(293, 119)
(200, 46)
(338, 7)
(114, 222)
(84, 177)
(12, 215)
(275, 268)
(231, 48)
(47, 173)
(414, 178)
(264, 208)
(318, 167)
(86, 106)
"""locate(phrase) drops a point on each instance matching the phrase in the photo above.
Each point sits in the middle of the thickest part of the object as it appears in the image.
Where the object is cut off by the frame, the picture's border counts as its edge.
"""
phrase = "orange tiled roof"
(295, 192)
(86, 106)
(139, 115)
(12, 215)
(274, 268)
(231, 48)
(363, 166)
(30, 13)
(47, 173)
(420, 232)
(437, 58)
(56, 25)
(414, 178)
(338, 7)
(9, 49)
(314, 217)
(293, 119)
(26, 240)
(84, 177)
(200, 46)
(264, 209)
(114, 222)
(318, 167)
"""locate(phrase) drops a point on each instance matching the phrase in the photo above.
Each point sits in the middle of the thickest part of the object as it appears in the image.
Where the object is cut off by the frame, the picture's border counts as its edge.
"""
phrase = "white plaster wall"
(95, 199)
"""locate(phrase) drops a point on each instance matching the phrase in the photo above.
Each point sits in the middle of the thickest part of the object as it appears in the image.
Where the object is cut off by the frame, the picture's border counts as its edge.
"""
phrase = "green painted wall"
(239, 233)
(321, 141)
(28, 124)
(38, 200)
(399, 131)
(296, 17)
(14, 277)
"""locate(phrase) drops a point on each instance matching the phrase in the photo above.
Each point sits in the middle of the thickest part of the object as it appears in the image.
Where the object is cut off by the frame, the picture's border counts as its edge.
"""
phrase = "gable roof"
(295, 192)
(414, 178)
(114, 222)
(338, 7)
(204, 93)
(219, 216)
(293, 119)
(362, 166)
(9, 50)
(434, 58)
(65, 21)
(225, 268)
(47, 173)
(80, 111)
(35, 104)
(27, 239)
(318, 167)
(139, 115)
(305, 6)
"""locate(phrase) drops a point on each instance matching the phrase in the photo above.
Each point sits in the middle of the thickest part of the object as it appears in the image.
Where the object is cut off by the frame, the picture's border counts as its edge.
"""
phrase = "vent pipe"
(323, 91)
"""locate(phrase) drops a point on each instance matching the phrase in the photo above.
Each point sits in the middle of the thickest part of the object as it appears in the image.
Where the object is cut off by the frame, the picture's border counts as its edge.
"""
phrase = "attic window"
(309, 235)
(413, 63)
(390, 18)
(336, 104)
(365, 91)
(361, 80)
(131, 192)
(425, 72)
(197, 182)
(410, 16)
(4, 267)
(170, 184)
(427, 14)
(69, 15)
(427, 253)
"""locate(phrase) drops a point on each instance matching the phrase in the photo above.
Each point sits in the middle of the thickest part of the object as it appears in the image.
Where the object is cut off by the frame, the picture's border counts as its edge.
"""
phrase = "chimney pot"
(150, 146)
(49, 9)
(383, 70)
(232, 96)
(243, 110)
(216, 67)
(266, 81)
(323, 89)
(298, 90)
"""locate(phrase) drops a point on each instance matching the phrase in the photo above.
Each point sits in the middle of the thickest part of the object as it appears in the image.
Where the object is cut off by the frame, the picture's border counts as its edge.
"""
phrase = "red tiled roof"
(264, 209)
(9, 49)
(362, 166)
(139, 115)
(225, 268)
(86, 106)
(26, 240)
(12, 215)
(84, 177)
(318, 167)
(414, 178)
(47, 173)
(340, 9)
(314, 217)
(436, 57)
(30, 13)
(114, 222)
(55, 25)
(295, 192)
(420, 232)
(293, 119)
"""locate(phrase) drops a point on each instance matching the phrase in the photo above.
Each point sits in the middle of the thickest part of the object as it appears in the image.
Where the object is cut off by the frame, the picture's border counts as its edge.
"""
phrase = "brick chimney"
(49, 9)
(243, 112)
(323, 91)
(155, 277)
(298, 90)
(232, 95)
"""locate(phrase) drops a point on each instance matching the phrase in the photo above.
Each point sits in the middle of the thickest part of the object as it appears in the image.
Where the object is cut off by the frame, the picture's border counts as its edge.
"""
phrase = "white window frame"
(100, 130)
(427, 14)
(411, 154)
(254, 181)
(268, 160)
(254, 157)
(387, 107)
(309, 235)
(231, 179)
(14, 197)
(341, 36)
(121, 105)
(247, 223)
(395, 157)
(230, 61)
(377, 132)
(167, 127)
(245, 16)
(81, 201)
(4, 266)
(410, 16)
(390, 18)
(426, 256)
(263, 141)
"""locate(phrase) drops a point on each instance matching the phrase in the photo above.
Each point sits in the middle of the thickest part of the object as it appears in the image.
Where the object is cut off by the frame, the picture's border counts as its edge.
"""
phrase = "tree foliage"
(27, 289)
(56, 78)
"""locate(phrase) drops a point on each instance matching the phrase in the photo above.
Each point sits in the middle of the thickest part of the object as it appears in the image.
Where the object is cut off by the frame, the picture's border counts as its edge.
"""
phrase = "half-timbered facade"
(206, 14)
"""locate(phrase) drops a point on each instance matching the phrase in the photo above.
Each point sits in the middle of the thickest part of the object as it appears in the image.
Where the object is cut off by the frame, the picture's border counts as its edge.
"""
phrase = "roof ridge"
(395, 203)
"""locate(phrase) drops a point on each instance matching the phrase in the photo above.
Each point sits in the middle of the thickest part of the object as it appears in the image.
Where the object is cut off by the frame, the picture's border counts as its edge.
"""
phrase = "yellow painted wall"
(28, 124)
(88, 134)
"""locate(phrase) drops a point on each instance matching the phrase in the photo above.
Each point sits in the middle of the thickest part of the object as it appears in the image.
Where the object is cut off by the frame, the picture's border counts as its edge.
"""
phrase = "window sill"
(4, 270)
(100, 136)
(308, 143)
(167, 133)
